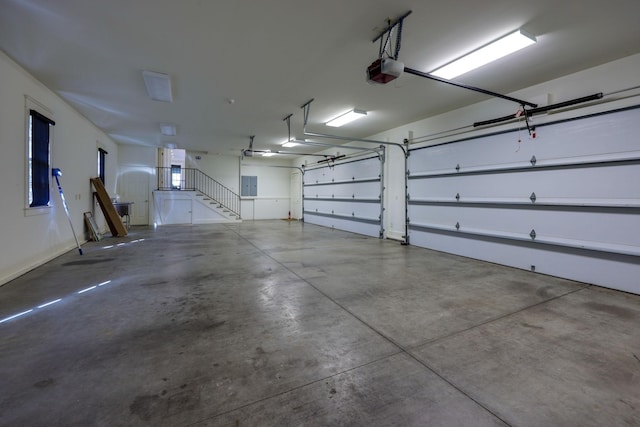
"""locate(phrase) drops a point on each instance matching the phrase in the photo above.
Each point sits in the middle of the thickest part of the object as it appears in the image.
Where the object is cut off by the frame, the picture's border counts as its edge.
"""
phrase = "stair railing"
(190, 179)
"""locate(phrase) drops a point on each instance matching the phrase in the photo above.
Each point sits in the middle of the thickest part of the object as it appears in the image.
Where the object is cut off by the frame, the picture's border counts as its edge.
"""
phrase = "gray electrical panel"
(249, 186)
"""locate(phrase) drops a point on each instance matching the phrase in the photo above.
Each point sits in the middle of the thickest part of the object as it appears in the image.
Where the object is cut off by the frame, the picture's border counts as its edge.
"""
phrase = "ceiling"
(239, 67)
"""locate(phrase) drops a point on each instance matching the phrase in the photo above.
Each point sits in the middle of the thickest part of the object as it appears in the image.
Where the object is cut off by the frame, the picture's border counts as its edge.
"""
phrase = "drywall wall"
(274, 181)
(31, 237)
(224, 169)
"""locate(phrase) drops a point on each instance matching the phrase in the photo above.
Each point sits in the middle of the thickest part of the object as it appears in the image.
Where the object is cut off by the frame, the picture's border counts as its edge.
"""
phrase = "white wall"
(31, 239)
(273, 199)
(224, 169)
(274, 195)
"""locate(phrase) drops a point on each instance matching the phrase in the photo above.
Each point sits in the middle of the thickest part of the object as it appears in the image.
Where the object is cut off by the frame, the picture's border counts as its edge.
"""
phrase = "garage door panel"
(362, 190)
(354, 170)
(570, 183)
(359, 227)
(589, 136)
(346, 196)
(613, 227)
(570, 204)
(567, 263)
(361, 210)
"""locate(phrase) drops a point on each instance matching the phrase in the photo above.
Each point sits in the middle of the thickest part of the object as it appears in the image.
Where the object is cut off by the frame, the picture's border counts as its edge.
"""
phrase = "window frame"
(37, 107)
(102, 164)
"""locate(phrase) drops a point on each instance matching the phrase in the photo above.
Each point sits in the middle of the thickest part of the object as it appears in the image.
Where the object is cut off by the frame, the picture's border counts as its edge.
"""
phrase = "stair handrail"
(192, 179)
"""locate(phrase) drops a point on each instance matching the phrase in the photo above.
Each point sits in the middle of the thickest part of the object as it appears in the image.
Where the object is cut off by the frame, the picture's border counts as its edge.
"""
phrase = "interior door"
(135, 187)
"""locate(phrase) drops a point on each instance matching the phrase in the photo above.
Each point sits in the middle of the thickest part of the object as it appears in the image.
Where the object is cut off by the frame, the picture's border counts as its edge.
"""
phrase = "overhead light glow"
(6, 319)
(268, 154)
(347, 117)
(158, 86)
(486, 54)
(49, 303)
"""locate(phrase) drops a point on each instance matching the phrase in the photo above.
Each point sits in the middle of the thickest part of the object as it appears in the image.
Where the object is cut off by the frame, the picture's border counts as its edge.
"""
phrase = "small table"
(122, 208)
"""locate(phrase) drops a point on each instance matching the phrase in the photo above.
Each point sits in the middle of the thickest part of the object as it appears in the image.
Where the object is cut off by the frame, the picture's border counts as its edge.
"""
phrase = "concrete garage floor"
(280, 323)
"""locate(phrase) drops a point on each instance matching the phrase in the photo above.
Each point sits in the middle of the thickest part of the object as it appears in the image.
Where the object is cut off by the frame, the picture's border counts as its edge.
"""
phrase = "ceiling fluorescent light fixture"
(158, 86)
(168, 129)
(495, 50)
(347, 117)
(268, 154)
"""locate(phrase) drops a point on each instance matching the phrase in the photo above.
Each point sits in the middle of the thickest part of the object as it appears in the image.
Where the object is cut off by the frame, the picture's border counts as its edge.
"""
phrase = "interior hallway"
(284, 323)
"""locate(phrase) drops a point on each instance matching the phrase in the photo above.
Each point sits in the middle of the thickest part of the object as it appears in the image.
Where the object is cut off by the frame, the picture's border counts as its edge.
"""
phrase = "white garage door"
(566, 203)
(346, 196)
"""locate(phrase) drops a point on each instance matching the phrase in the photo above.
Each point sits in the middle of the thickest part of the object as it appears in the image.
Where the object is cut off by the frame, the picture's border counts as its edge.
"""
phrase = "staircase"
(204, 199)
(175, 186)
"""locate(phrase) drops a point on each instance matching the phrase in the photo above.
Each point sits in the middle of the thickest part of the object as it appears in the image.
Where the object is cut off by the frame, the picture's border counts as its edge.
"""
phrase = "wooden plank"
(92, 226)
(114, 221)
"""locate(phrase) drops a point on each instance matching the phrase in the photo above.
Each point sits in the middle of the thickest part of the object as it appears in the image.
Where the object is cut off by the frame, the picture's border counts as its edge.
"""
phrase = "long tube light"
(495, 50)
(347, 117)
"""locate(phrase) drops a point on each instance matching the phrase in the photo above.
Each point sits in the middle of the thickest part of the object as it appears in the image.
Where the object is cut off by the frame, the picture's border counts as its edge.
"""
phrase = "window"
(176, 177)
(102, 157)
(39, 159)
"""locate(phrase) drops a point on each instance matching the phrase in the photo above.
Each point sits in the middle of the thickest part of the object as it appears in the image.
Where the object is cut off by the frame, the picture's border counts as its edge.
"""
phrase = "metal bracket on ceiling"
(250, 149)
(306, 107)
(388, 32)
(288, 120)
